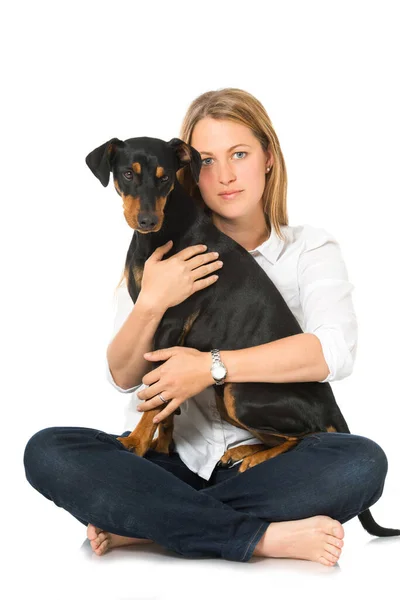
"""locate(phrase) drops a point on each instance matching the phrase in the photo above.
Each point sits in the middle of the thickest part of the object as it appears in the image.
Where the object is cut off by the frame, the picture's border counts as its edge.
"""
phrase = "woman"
(290, 506)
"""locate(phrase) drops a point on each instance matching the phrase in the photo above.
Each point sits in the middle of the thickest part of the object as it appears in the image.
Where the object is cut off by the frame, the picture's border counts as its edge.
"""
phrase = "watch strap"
(216, 360)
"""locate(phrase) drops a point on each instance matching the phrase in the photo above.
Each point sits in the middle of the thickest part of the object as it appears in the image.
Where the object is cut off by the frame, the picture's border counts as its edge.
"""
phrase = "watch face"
(218, 372)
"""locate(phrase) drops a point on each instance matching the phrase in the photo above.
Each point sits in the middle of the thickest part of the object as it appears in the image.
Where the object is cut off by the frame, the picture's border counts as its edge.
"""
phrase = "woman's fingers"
(201, 271)
(167, 411)
(155, 402)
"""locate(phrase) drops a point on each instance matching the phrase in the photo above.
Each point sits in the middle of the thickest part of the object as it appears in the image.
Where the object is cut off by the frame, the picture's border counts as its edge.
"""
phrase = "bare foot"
(101, 541)
(309, 539)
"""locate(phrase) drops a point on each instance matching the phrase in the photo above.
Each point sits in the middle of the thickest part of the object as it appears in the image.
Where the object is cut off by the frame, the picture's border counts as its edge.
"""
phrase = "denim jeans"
(90, 474)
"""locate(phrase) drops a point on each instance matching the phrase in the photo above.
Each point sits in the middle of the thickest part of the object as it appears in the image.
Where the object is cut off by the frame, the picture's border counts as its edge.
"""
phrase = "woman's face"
(225, 168)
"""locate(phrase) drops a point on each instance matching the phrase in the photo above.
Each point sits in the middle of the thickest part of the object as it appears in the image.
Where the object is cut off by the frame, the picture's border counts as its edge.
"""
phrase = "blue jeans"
(90, 474)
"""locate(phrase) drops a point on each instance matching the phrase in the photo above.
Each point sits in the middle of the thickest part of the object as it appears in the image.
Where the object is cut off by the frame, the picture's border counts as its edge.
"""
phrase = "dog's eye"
(128, 175)
(165, 178)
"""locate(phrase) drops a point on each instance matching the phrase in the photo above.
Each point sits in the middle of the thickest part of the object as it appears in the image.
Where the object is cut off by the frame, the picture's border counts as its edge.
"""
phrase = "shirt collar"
(272, 247)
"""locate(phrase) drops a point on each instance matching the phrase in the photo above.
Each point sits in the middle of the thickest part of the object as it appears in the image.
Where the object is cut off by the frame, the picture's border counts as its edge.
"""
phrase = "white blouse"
(309, 271)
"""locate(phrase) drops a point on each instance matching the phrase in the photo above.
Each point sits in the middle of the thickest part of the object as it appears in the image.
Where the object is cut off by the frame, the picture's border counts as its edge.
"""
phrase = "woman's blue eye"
(237, 152)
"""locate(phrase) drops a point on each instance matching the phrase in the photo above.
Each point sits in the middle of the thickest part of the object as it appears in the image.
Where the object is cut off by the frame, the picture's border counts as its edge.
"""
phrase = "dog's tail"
(370, 525)
(365, 517)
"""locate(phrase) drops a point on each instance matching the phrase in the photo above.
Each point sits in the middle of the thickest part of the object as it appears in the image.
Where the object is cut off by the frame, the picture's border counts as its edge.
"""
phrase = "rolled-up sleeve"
(120, 389)
(326, 300)
(123, 305)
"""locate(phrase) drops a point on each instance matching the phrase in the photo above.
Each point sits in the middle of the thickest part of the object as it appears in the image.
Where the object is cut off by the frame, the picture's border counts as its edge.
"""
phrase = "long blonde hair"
(241, 107)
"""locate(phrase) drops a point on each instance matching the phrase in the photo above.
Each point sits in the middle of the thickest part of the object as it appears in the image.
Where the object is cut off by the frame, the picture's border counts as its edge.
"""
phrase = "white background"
(73, 76)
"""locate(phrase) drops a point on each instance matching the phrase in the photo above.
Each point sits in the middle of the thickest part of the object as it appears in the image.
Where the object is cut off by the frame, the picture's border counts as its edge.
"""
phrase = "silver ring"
(163, 399)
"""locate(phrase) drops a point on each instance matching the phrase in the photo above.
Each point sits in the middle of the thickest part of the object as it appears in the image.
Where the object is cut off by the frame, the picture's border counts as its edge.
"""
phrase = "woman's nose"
(226, 174)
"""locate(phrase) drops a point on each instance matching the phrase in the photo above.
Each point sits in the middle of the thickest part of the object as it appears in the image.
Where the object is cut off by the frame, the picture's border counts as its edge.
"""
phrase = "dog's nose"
(147, 221)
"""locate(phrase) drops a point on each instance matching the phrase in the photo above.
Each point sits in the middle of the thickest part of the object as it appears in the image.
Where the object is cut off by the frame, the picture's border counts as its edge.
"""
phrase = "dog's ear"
(186, 154)
(100, 159)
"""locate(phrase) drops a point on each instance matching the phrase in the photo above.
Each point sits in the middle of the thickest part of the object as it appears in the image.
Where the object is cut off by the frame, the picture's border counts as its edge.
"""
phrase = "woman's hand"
(185, 373)
(166, 283)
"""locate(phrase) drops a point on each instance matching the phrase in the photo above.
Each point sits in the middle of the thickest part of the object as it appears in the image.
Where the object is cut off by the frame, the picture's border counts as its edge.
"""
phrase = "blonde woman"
(291, 506)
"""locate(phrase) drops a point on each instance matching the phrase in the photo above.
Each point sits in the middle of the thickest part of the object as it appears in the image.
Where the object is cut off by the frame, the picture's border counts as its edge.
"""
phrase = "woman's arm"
(125, 352)
(326, 350)
(294, 358)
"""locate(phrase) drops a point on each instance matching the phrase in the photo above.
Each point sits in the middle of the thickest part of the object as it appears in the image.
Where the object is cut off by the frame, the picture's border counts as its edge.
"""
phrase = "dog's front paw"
(133, 444)
(162, 444)
(238, 453)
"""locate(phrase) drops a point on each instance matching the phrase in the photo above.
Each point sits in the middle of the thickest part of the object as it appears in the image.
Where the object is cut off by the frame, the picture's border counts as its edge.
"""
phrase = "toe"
(331, 552)
(102, 548)
(326, 562)
(331, 539)
(338, 530)
(92, 532)
(98, 540)
(101, 537)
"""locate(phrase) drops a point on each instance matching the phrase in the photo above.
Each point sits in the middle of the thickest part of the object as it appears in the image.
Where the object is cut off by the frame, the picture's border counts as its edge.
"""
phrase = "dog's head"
(144, 171)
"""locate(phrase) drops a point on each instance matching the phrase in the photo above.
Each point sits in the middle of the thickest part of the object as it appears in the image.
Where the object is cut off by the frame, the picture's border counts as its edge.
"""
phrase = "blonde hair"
(236, 105)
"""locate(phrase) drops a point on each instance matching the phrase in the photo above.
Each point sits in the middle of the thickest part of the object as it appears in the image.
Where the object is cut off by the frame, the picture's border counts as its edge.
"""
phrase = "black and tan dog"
(242, 309)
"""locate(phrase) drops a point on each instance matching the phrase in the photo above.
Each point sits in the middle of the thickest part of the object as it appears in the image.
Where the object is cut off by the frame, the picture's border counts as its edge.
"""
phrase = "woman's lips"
(230, 196)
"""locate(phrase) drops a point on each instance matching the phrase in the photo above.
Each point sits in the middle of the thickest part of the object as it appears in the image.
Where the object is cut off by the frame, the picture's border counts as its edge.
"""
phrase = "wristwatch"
(218, 369)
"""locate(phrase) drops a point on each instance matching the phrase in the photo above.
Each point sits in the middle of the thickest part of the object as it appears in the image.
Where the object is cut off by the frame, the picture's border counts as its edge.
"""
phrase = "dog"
(243, 308)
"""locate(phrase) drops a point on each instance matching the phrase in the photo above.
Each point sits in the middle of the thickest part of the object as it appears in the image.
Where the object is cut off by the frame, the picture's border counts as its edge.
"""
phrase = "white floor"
(47, 555)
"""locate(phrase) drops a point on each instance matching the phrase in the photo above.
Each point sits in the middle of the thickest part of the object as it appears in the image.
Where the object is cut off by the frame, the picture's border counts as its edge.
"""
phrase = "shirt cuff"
(336, 353)
(120, 389)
